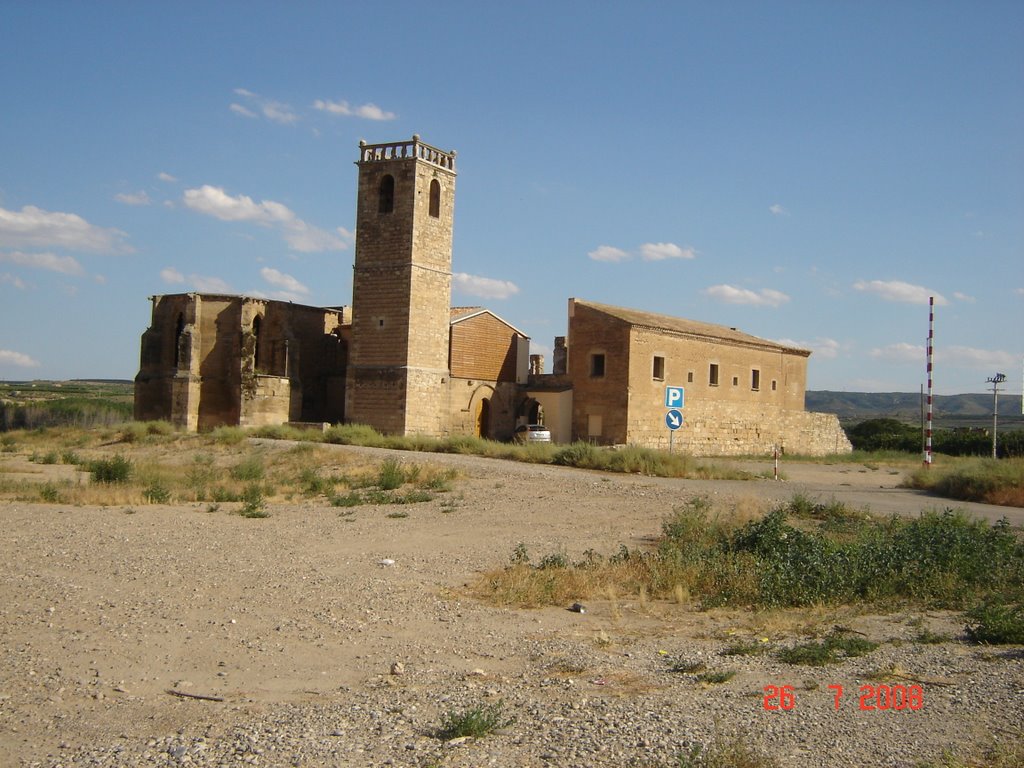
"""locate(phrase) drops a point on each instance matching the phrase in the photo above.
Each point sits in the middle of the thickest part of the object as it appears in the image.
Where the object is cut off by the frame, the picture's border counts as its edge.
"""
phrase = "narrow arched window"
(256, 323)
(387, 194)
(435, 199)
(179, 330)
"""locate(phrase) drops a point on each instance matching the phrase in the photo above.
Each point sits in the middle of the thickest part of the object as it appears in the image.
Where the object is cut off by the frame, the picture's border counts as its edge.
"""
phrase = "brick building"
(405, 362)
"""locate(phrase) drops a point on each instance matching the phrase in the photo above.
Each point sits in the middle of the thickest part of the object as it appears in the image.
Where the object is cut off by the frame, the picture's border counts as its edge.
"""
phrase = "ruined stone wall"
(212, 360)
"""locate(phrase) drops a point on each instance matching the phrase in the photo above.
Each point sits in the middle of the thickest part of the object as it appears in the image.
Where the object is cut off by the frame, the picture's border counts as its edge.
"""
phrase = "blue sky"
(809, 172)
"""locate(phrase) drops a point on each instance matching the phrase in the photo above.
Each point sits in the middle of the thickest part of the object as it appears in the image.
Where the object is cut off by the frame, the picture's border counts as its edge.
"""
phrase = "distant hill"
(948, 410)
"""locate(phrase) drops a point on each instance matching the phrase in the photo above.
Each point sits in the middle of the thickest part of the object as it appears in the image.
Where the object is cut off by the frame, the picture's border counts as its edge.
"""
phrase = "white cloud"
(10, 357)
(766, 297)
(896, 290)
(238, 109)
(291, 289)
(900, 353)
(778, 210)
(1019, 291)
(608, 253)
(172, 276)
(366, 111)
(484, 287)
(963, 297)
(33, 227)
(206, 284)
(971, 357)
(300, 236)
(662, 251)
(17, 282)
(274, 111)
(164, 176)
(133, 198)
(200, 283)
(952, 356)
(66, 265)
(822, 347)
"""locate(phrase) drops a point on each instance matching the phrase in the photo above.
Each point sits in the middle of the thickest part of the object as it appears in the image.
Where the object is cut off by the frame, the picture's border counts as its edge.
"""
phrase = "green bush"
(157, 493)
(253, 502)
(996, 623)
(390, 475)
(248, 469)
(578, 454)
(114, 470)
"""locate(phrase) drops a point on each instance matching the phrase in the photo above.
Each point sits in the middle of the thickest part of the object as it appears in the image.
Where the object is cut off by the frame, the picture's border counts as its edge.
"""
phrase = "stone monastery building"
(404, 361)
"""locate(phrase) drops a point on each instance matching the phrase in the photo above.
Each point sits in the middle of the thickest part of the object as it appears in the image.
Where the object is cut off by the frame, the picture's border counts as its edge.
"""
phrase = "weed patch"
(832, 650)
(475, 722)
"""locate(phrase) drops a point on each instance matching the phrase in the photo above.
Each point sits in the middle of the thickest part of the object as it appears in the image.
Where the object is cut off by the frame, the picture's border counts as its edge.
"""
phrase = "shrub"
(474, 722)
(157, 493)
(996, 623)
(353, 434)
(50, 493)
(390, 475)
(114, 470)
(834, 648)
(579, 454)
(248, 469)
(253, 502)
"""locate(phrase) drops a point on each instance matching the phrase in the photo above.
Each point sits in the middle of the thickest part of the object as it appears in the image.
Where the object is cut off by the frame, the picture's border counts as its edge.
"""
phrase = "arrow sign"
(673, 397)
(674, 419)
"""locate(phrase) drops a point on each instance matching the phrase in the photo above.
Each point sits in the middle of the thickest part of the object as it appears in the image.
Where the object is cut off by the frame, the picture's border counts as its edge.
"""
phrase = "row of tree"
(894, 435)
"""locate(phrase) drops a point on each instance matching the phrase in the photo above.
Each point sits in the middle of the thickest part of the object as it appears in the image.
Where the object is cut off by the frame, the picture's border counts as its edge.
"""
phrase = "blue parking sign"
(673, 397)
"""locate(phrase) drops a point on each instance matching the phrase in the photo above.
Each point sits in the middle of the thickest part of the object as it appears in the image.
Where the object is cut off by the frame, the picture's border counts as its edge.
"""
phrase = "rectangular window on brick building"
(755, 379)
(689, 377)
(659, 368)
(713, 375)
(597, 365)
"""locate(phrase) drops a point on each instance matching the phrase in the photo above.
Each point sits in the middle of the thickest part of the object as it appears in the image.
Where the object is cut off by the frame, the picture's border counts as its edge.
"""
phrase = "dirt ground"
(126, 628)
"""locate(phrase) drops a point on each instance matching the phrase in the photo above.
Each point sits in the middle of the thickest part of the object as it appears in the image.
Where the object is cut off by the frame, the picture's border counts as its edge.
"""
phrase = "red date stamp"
(871, 697)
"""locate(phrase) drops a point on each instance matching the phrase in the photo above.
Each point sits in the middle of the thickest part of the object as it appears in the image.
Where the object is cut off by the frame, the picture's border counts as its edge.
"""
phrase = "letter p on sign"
(673, 397)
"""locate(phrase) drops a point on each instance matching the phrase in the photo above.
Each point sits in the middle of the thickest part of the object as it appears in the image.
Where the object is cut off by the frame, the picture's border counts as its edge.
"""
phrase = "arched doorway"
(483, 418)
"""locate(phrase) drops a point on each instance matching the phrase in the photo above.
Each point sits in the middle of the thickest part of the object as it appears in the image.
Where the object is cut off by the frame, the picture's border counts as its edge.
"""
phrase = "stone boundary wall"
(726, 429)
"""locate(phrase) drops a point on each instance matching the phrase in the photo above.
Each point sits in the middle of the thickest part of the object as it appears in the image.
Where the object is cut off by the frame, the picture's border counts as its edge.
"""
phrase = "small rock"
(398, 668)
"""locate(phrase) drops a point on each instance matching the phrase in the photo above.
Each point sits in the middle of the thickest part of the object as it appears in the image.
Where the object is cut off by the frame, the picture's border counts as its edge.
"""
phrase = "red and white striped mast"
(931, 346)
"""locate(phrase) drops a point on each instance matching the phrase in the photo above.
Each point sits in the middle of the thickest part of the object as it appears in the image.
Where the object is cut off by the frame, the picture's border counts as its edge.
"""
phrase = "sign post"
(674, 401)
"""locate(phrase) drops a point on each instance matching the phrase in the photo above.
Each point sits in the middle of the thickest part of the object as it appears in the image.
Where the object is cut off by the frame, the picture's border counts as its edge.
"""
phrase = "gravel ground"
(171, 635)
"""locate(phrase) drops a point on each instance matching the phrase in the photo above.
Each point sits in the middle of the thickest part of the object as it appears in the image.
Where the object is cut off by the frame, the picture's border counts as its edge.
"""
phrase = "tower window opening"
(179, 330)
(387, 194)
(597, 365)
(256, 323)
(713, 374)
(435, 199)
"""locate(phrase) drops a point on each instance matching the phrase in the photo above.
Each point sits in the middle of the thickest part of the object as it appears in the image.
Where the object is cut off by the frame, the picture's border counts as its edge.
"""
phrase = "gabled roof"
(461, 314)
(683, 327)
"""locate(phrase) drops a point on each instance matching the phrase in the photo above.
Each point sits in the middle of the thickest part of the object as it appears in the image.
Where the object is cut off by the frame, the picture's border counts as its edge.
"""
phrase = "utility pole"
(995, 381)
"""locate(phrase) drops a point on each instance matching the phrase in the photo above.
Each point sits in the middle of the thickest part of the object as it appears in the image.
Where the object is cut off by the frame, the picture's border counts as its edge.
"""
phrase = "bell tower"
(398, 377)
